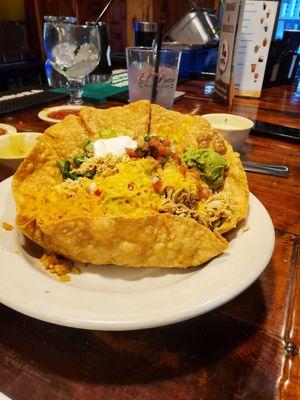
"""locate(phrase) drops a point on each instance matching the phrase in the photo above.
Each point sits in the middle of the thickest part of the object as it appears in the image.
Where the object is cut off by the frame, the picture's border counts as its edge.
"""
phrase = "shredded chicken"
(106, 166)
(214, 211)
(213, 140)
(178, 202)
(210, 213)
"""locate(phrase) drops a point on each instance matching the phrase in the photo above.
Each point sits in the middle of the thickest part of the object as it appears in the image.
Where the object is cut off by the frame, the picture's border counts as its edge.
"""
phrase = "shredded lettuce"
(67, 167)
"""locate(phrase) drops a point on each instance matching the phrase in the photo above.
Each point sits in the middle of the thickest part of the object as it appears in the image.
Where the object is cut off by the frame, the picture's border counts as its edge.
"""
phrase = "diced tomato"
(130, 186)
(131, 153)
(176, 158)
(162, 150)
(97, 192)
(154, 141)
(166, 142)
(157, 186)
(204, 193)
(183, 170)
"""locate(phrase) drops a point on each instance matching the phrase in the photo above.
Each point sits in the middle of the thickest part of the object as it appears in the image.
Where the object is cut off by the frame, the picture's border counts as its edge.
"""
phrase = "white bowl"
(233, 128)
(14, 148)
(8, 128)
(43, 114)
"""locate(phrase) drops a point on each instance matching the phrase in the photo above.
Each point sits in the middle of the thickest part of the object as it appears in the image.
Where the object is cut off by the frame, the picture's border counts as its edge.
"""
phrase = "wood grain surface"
(248, 349)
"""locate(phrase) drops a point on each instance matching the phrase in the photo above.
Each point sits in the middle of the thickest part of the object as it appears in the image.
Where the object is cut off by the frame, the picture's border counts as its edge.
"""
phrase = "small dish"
(234, 128)
(14, 148)
(7, 129)
(56, 114)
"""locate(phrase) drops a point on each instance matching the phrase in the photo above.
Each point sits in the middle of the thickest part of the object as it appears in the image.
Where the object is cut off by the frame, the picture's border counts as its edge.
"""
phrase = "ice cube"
(64, 54)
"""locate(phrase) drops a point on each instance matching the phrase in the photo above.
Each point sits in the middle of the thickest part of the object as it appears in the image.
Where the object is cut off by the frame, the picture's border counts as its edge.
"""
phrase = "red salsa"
(155, 147)
(61, 114)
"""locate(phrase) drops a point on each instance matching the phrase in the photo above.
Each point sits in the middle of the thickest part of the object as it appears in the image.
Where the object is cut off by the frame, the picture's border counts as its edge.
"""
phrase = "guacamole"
(211, 165)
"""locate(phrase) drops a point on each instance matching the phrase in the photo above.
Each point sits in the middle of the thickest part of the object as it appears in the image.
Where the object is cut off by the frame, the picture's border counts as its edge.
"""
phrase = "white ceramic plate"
(120, 298)
(44, 113)
(8, 128)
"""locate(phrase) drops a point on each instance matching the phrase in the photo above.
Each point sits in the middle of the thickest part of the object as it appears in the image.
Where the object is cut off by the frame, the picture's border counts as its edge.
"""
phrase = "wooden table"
(247, 349)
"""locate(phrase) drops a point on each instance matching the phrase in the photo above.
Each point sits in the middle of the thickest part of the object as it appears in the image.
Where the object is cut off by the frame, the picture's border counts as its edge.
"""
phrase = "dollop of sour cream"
(115, 146)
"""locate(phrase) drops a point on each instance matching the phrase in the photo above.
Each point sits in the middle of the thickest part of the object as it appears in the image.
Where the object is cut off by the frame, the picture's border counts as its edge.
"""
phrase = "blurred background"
(22, 58)
(21, 21)
(289, 17)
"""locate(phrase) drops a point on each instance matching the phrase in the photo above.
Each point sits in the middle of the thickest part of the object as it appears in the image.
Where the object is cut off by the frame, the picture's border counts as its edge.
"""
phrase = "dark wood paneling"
(115, 18)
(171, 11)
(138, 10)
(119, 18)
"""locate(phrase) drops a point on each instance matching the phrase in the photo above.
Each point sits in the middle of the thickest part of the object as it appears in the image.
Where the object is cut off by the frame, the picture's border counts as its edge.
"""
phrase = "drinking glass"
(145, 33)
(141, 67)
(74, 51)
(54, 78)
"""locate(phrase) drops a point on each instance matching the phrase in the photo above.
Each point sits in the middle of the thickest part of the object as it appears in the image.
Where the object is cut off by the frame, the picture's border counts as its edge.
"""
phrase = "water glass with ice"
(140, 67)
(74, 51)
(54, 78)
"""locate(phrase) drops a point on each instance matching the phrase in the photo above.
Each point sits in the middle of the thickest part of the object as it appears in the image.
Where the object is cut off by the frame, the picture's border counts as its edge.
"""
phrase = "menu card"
(254, 34)
(224, 79)
(246, 34)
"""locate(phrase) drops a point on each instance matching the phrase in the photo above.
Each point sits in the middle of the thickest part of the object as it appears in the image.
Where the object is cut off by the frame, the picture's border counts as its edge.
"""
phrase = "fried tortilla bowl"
(134, 211)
